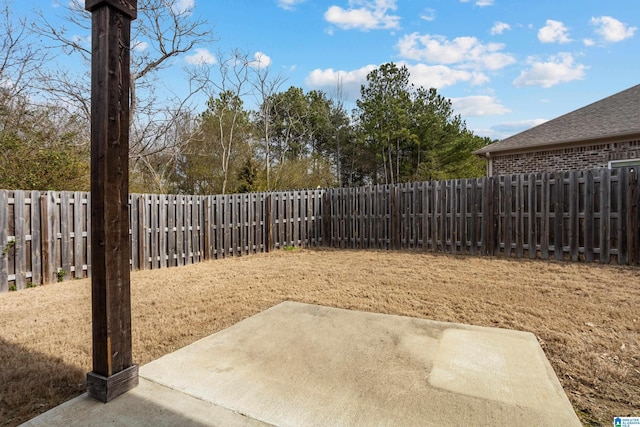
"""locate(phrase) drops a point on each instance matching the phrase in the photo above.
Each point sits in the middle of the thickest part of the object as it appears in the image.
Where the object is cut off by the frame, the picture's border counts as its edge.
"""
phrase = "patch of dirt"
(586, 317)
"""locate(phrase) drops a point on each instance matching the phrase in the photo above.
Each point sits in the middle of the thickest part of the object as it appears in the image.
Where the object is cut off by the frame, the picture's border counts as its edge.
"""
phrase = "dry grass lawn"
(587, 317)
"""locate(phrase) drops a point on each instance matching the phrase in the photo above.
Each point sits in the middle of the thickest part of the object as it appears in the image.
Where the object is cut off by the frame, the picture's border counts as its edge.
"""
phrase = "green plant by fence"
(590, 216)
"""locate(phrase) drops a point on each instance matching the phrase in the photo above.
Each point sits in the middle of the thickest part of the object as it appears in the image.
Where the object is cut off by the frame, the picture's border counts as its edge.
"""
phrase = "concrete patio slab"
(149, 404)
(305, 365)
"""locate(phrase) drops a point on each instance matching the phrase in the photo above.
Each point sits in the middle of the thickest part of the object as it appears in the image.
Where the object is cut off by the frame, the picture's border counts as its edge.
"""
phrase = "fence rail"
(590, 216)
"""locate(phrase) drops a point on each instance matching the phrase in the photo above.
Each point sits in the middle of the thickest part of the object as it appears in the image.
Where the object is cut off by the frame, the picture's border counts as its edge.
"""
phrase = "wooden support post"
(113, 372)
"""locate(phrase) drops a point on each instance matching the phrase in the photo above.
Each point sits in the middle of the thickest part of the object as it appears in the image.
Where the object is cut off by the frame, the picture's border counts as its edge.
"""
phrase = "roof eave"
(558, 144)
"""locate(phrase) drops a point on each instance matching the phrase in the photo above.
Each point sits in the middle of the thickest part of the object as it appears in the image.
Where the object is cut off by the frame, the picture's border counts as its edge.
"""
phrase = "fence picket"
(520, 206)
(36, 241)
(605, 231)
(545, 208)
(633, 217)
(19, 247)
(558, 242)
(589, 190)
(133, 231)
(78, 256)
(163, 230)
(508, 218)
(4, 241)
(574, 220)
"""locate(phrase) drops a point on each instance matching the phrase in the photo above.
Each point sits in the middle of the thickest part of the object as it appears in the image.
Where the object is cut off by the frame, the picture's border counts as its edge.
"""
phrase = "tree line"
(253, 134)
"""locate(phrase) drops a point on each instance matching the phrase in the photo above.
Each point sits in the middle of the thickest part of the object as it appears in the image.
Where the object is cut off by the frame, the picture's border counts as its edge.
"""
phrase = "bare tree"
(162, 32)
(18, 61)
(265, 87)
(225, 104)
(339, 119)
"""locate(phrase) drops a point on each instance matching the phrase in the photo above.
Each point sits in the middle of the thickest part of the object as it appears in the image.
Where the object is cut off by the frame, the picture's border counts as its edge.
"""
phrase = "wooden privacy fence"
(45, 236)
(579, 216)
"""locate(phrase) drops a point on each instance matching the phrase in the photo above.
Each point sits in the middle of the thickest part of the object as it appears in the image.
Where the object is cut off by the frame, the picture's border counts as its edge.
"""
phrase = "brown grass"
(585, 316)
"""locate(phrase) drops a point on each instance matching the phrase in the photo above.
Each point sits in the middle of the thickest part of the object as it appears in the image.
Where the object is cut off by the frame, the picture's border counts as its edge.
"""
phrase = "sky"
(506, 65)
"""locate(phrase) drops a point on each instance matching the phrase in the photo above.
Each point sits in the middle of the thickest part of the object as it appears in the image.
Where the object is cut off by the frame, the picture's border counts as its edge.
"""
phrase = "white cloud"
(558, 69)
(289, 4)
(427, 76)
(329, 79)
(499, 28)
(82, 40)
(611, 29)
(481, 3)
(477, 106)
(554, 32)
(440, 76)
(428, 15)
(140, 46)
(588, 42)
(467, 51)
(183, 6)
(507, 129)
(201, 56)
(364, 15)
(518, 126)
(261, 60)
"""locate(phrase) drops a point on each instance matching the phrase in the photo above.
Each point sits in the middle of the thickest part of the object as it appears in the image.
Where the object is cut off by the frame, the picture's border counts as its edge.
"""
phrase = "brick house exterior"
(603, 134)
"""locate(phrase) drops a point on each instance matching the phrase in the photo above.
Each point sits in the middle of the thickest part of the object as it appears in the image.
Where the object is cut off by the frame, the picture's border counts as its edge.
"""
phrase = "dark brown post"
(113, 369)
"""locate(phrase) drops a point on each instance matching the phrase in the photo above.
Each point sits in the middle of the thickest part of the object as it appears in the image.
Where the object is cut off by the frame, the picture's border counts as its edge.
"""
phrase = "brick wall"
(566, 159)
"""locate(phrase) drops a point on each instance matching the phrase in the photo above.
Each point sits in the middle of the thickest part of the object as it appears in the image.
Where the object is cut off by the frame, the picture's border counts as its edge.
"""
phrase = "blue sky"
(506, 64)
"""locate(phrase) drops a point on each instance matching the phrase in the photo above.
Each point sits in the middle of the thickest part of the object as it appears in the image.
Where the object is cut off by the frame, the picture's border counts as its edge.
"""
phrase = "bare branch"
(161, 33)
